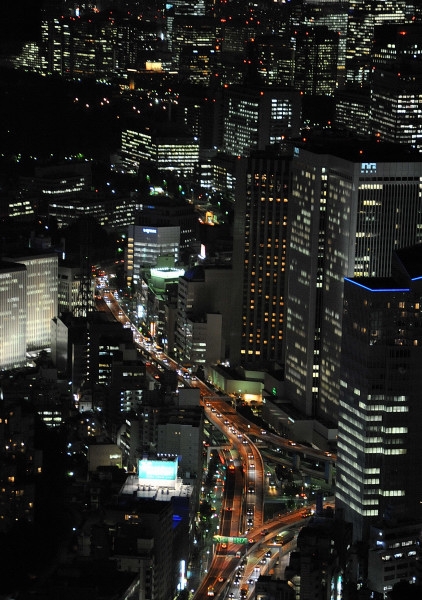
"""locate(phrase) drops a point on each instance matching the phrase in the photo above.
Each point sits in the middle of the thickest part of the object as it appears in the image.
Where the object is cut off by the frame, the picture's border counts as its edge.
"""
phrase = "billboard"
(158, 472)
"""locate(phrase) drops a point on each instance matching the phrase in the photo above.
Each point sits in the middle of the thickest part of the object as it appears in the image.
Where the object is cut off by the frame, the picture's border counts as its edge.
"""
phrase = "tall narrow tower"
(259, 258)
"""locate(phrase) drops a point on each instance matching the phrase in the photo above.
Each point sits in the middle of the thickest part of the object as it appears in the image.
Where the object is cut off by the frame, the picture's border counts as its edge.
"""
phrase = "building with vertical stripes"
(13, 310)
(41, 290)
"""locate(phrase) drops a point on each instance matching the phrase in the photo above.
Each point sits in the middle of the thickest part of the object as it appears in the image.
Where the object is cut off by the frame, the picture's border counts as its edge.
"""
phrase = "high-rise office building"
(41, 291)
(379, 441)
(353, 109)
(316, 58)
(363, 16)
(13, 311)
(163, 146)
(334, 16)
(259, 258)
(351, 204)
(200, 35)
(146, 244)
(396, 84)
(257, 116)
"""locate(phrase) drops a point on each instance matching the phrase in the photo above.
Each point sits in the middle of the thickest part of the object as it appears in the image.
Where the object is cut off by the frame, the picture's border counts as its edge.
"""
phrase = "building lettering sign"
(149, 230)
(368, 167)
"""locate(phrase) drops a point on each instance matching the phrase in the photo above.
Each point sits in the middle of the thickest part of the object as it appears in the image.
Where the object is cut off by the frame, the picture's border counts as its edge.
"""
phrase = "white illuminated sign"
(368, 167)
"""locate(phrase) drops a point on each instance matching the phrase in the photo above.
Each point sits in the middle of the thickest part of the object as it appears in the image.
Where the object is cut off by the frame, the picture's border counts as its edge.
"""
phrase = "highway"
(242, 515)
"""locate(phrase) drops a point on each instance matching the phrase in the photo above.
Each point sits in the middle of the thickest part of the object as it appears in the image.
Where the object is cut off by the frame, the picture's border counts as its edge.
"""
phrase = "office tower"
(274, 58)
(322, 558)
(199, 35)
(351, 204)
(257, 116)
(13, 311)
(157, 209)
(363, 17)
(259, 258)
(59, 189)
(269, 588)
(316, 57)
(396, 84)
(41, 291)
(200, 110)
(334, 16)
(145, 244)
(379, 440)
(352, 110)
(161, 146)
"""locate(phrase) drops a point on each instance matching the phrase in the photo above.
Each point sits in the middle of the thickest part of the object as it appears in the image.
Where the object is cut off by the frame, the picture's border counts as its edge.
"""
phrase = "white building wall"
(13, 310)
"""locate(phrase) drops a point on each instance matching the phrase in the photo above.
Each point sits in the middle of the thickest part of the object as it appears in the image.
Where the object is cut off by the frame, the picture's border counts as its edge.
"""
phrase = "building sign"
(368, 167)
(221, 539)
(158, 472)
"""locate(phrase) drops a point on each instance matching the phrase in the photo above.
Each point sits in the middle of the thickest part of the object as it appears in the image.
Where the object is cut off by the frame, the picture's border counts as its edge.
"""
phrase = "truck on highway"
(244, 590)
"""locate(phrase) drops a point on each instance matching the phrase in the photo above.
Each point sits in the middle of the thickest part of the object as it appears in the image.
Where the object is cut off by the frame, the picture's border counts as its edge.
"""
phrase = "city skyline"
(224, 196)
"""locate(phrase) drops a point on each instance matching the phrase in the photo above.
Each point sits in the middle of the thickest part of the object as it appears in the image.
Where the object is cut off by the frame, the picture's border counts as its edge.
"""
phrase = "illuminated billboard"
(158, 472)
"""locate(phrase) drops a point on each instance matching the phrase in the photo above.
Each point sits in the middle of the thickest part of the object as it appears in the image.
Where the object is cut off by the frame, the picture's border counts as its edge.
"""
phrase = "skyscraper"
(316, 58)
(13, 306)
(41, 291)
(379, 441)
(363, 17)
(396, 84)
(259, 258)
(257, 116)
(351, 204)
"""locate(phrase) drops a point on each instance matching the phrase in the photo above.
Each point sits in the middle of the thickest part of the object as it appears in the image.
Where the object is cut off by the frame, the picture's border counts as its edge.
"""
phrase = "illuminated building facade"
(379, 441)
(259, 116)
(396, 84)
(100, 47)
(41, 291)
(259, 259)
(196, 48)
(146, 244)
(316, 57)
(157, 299)
(275, 60)
(164, 150)
(394, 548)
(363, 16)
(13, 311)
(353, 109)
(334, 16)
(340, 220)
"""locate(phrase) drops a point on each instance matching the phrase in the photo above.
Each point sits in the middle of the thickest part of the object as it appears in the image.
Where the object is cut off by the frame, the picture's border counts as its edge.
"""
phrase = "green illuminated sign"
(220, 539)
